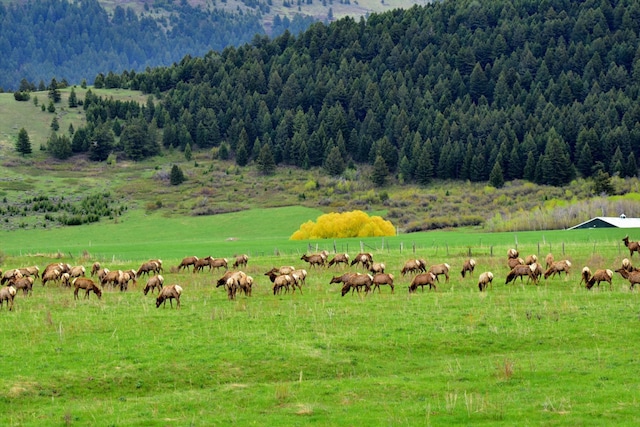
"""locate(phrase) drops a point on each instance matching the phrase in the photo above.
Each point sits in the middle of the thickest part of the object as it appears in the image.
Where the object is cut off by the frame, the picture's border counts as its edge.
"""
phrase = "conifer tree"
(266, 162)
(380, 171)
(23, 145)
(496, 178)
(334, 163)
(177, 176)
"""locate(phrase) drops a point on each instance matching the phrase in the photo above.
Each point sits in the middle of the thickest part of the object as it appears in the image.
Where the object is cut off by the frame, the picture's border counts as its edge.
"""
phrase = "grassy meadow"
(553, 354)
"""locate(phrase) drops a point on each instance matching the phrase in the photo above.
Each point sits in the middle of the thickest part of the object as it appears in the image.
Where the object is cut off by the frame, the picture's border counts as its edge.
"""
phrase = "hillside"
(444, 98)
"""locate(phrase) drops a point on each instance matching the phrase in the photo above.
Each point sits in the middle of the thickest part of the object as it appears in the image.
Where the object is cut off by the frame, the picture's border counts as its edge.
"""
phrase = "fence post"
(538, 248)
(361, 247)
(334, 247)
(563, 248)
(401, 246)
(414, 248)
(491, 252)
(469, 251)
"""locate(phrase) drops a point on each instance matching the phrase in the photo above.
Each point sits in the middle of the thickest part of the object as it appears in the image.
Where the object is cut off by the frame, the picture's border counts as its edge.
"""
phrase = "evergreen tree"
(59, 146)
(23, 145)
(54, 92)
(334, 163)
(557, 169)
(73, 99)
(405, 170)
(177, 176)
(585, 161)
(266, 162)
(242, 155)
(101, 143)
(380, 171)
(631, 167)
(55, 125)
(496, 178)
(187, 152)
(51, 108)
(602, 183)
(424, 167)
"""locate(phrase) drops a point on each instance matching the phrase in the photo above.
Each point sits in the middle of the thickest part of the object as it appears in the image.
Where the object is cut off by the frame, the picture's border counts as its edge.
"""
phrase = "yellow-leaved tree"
(348, 224)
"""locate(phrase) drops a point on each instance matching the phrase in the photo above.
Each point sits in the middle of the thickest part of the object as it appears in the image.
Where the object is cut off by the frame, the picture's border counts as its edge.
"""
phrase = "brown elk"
(339, 259)
(9, 275)
(414, 266)
(151, 266)
(422, 280)
(33, 271)
(201, 263)
(382, 279)
(536, 269)
(218, 263)
(154, 282)
(521, 270)
(341, 279)
(283, 281)
(314, 260)
(600, 276)
(512, 262)
(187, 262)
(632, 276)
(95, 268)
(376, 267)
(357, 282)
(24, 283)
(170, 293)
(363, 258)
(440, 269)
(632, 246)
(88, 285)
(530, 259)
(53, 275)
(513, 253)
(484, 280)
(240, 261)
(548, 260)
(557, 268)
(468, 267)
(7, 294)
(585, 275)
(112, 278)
(77, 271)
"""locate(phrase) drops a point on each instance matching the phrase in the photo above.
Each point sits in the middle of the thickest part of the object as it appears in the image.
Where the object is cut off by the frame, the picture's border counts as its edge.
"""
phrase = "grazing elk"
(95, 268)
(536, 268)
(187, 262)
(513, 253)
(284, 281)
(88, 285)
(339, 259)
(530, 259)
(440, 269)
(422, 280)
(484, 280)
(521, 270)
(382, 279)
(170, 293)
(632, 276)
(632, 246)
(33, 271)
(357, 282)
(468, 267)
(414, 266)
(557, 268)
(585, 275)
(342, 279)
(154, 282)
(364, 258)
(151, 266)
(240, 261)
(24, 283)
(512, 262)
(10, 275)
(600, 276)
(7, 294)
(314, 260)
(548, 260)
(376, 267)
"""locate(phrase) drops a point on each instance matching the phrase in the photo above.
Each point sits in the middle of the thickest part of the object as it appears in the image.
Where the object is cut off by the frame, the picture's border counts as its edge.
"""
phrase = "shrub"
(349, 224)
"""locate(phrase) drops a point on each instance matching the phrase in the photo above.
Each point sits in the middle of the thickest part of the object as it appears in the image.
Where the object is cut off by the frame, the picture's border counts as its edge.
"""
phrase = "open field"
(552, 354)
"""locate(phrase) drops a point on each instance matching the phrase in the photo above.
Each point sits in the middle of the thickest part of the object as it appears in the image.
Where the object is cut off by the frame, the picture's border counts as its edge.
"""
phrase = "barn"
(609, 222)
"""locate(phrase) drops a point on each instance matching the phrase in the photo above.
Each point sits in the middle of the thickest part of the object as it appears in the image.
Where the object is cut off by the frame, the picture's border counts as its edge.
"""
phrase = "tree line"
(77, 40)
(464, 90)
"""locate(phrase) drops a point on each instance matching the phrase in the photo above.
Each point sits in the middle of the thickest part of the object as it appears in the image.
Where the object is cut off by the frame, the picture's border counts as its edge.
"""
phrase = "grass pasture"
(553, 354)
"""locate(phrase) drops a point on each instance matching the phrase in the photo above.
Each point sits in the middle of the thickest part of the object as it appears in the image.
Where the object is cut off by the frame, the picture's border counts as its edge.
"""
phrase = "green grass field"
(553, 354)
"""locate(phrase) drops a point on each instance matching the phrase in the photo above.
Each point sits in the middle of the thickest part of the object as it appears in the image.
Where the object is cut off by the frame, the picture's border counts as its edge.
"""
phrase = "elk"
(439, 269)
(376, 267)
(339, 259)
(512, 253)
(468, 266)
(241, 260)
(314, 260)
(484, 280)
(187, 262)
(633, 277)
(549, 260)
(6, 294)
(341, 279)
(585, 275)
(95, 268)
(218, 263)
(557, 268)
(382, 279)
(422, 280)
(530, 259)
(170, 293)
(30, 271)
(88, 285)
(520, 271)
(151, 266)
(363, 258)
(632, 246)
(414, 266)
(600, 276)
(24, 283)
(356, 282)
(512, 262)
(153, 283)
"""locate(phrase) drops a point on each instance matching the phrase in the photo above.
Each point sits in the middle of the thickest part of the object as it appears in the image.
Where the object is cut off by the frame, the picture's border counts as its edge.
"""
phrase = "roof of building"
(615, 221)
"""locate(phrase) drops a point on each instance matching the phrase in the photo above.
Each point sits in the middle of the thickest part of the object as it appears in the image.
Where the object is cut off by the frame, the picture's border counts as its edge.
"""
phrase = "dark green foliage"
(602, 183)
(137, 141)
(101, 143)
(177, 176)
(59, 146)
(21, 96)
(55, 125)
(187, 152)
(380, 172)
(23, 145)
(266, 162)
(334, 164)
(496, 177)
(54, 92)
(73, 99)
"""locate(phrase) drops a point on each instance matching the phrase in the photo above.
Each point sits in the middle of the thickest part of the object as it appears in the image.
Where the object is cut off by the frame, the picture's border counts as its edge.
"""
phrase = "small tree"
(55, 125)
(266, 162)
(73, 99)
(23, 145)
(380, 171)
(177, 176)
(496, 177)
(334, 163)
(187, 151)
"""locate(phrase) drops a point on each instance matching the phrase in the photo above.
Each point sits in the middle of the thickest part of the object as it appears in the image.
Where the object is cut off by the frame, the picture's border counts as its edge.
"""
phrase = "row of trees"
(453, 90)
(40, 39)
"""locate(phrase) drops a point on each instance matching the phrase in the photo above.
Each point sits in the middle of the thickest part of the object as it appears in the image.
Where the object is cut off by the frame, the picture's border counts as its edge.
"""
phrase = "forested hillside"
(41, 40)
(498, 90)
